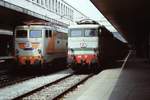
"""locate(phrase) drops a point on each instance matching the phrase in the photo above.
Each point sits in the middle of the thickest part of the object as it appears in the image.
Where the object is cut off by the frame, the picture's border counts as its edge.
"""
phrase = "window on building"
(52, 5)
(61, 9)
(46, 3)
(38, 1)
(58, 7)
(34, 1)
(42, 2)
(66, 11)
(71, 14)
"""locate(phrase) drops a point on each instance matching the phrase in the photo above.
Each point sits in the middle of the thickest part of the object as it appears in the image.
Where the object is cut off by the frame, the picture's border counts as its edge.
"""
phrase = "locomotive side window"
(76, 32)
(59, 35)
(35, 34)
(90, 32)
(21, 34)
(48, 33)
(65, 36)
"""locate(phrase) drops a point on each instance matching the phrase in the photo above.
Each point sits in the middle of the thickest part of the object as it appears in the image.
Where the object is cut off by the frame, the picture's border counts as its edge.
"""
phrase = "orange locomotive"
(39, 44)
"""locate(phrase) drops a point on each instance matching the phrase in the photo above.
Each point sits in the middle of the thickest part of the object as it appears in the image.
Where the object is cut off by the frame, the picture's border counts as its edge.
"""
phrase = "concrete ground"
(131, 82)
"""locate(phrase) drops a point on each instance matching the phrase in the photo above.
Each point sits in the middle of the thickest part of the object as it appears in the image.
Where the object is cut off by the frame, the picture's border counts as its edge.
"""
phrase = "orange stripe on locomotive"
(34, 45)
(32, 59)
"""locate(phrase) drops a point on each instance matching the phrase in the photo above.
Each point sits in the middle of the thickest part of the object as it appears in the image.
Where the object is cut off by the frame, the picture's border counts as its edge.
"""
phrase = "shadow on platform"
(133, 82)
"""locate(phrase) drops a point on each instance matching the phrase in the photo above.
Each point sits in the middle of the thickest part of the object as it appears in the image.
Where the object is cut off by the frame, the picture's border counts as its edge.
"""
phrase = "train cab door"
(49, 41)
(6, 45)
(59, 42)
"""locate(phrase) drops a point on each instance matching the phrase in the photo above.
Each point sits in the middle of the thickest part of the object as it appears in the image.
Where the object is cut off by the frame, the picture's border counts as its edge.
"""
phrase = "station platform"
(4, 58)
(130, 82)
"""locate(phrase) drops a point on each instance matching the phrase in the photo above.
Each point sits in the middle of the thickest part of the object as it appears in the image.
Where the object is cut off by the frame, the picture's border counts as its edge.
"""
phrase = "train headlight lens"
(85, 56)
(79, 56)
(70, 51)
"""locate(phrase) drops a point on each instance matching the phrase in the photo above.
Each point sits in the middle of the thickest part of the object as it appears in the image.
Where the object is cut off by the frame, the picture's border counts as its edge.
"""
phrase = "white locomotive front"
(39, 44)
(83, 45)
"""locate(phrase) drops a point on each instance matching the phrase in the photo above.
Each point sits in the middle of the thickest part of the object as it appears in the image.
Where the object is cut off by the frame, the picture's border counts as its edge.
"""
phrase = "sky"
(86, 7)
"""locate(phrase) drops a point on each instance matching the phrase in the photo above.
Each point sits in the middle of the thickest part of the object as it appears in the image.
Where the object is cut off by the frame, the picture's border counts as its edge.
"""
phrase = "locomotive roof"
(60, 29)
(32, 26)
(85, 26)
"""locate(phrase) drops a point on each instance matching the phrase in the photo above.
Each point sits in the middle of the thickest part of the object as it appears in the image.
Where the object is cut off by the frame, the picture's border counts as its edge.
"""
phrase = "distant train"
(39, 44)
(91, 46)
(6, 43)
(6, 48)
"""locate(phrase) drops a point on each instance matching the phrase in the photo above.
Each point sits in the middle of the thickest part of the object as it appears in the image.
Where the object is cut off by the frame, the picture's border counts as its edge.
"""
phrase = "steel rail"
(42, 87)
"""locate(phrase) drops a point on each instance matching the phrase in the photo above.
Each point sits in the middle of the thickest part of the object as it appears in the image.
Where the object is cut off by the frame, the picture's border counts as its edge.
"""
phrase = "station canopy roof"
(130, 17)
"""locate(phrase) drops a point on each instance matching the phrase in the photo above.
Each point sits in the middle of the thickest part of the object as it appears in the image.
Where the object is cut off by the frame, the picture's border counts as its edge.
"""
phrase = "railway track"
(6, 81)
(6, 78)
(20, 88)
(56, 89)
(9, 77)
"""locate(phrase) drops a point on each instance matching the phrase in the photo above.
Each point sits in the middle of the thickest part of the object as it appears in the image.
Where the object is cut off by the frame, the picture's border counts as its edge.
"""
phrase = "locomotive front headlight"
(79, 56)
(70, 51)
(85, 56)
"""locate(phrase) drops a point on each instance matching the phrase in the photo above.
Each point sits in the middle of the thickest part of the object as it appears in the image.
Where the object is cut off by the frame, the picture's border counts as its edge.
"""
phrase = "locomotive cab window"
(90, 32)
(48, 33)
(76, 33)
(35, 34)
(21, 34)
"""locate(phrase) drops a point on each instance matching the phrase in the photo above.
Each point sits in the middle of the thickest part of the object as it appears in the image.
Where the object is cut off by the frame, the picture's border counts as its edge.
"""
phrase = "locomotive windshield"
(83, 32)
(35, 34)
(90, 32)
(75, 32)
(21, 34)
